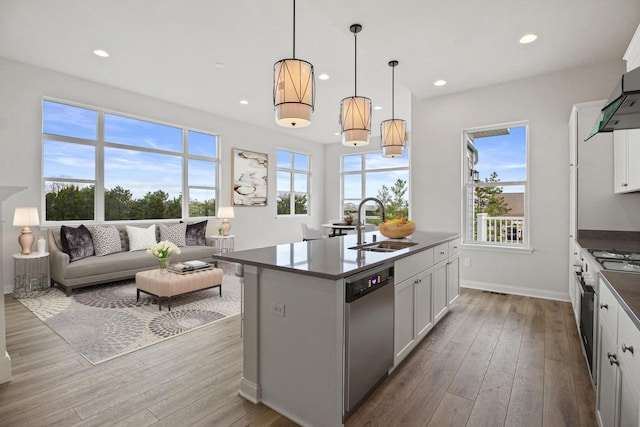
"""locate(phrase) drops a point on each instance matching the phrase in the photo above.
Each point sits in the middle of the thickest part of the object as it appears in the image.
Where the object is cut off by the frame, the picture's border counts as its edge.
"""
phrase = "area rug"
(105, 321)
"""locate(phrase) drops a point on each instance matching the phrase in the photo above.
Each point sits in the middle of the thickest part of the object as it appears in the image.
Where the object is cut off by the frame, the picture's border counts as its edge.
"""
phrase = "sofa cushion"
(106, 239)
(174, 233)
(76, 242)
(196, 234)
(141, 238)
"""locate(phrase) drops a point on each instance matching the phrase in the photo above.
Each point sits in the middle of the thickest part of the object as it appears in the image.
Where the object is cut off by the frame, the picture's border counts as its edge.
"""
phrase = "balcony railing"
(499, 229)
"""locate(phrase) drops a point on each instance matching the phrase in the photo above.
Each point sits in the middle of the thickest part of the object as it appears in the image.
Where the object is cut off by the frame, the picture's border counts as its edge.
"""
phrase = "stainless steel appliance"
(369, 313)
(611, 259)
(587, 277)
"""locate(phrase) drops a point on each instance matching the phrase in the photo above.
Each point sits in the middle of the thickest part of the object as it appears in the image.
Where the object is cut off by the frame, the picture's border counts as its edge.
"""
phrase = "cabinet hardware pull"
(625, 348)
(604, 306)
(441, 253)
(625, 184)
(613, 359)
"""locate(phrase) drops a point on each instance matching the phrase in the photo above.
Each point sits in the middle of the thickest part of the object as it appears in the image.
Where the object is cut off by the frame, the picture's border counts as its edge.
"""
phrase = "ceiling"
(173, 49)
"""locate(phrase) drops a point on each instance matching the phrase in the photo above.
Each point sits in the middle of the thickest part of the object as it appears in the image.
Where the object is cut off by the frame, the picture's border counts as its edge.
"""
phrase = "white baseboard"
(508, 289)
(5, 368)
(249, 390)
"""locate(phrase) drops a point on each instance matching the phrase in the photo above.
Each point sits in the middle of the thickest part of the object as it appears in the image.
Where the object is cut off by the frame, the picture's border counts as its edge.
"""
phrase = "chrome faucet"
(360, 226)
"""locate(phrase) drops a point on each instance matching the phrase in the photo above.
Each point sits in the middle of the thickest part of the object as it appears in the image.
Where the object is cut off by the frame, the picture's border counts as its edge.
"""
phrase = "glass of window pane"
(284, 203)
(352, 163)
(283, 181)
(141, 133)
(301, 204)
(69, 160)
(69, 201)
(502, 157)
(300, 162)
(376, 161)
(352, 186)
(300, 183)
(202, 173)
(148, 185)
(202, 202)
(202, 144)
(284, 159)
(66, 120)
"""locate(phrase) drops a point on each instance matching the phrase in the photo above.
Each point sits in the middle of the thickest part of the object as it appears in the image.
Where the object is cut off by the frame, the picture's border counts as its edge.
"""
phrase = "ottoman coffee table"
(167, 285)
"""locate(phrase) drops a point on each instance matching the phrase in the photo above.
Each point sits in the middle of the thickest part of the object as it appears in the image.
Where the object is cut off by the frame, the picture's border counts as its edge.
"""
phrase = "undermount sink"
(384, 246)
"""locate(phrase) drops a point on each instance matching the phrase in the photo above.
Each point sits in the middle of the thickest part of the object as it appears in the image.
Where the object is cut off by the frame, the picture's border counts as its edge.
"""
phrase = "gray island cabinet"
(295, 315)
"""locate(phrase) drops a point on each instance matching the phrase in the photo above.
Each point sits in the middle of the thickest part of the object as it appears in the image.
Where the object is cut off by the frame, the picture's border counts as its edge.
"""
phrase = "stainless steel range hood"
(622, 110)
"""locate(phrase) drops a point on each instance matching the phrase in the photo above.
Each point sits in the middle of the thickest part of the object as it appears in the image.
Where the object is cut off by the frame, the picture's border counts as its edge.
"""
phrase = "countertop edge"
(623, 303)
(392, 257)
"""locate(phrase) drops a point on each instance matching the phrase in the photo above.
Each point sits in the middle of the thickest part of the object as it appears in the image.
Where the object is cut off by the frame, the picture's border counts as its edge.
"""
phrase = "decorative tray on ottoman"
(189, 267)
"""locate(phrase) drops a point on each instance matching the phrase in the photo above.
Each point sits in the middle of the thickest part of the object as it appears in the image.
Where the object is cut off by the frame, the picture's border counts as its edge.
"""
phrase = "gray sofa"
(94, 270)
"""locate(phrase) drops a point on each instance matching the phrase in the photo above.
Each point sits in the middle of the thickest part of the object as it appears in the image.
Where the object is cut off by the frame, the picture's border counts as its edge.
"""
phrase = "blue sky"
(504, 154)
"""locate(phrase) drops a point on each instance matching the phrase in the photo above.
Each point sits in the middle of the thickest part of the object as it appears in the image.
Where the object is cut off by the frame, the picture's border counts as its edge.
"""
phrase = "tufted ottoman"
(168, 285)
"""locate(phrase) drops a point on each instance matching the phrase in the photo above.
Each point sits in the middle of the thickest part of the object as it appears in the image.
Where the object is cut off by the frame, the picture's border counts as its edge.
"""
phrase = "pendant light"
(293, 88)
(393, 133)
(355, 111)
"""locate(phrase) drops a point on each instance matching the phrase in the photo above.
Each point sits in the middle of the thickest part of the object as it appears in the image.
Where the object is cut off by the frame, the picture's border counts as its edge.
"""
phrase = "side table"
(223, 244)
(31, 272)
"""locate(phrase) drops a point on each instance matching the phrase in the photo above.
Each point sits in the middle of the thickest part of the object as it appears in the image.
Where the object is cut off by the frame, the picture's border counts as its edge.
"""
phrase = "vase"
(164, 265)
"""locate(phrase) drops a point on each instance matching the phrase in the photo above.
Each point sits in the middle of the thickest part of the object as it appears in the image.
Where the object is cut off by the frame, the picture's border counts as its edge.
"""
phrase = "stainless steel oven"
(587, 278)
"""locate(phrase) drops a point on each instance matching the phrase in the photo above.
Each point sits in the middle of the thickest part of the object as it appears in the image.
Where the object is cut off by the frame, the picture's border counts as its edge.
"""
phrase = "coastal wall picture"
(249, 178)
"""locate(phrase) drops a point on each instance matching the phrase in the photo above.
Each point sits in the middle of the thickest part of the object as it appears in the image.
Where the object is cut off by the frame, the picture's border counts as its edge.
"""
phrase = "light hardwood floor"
(494, 360)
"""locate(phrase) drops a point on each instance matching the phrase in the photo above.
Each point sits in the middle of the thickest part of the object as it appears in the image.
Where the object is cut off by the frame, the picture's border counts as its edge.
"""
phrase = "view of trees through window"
(495, 187)
(135, 168)
(371, 175)
(293, 183)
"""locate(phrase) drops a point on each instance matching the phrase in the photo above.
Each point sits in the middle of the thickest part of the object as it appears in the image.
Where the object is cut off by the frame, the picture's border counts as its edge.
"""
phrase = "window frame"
(292, 173)
(363, 173)
(99, 180)
(467, 183)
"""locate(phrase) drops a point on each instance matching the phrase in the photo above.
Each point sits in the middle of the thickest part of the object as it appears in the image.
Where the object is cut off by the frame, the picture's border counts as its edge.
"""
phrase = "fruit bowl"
(397, 231)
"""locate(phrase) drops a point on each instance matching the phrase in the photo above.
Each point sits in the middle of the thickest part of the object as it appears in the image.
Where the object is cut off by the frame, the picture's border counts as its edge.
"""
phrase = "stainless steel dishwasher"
(369, 301)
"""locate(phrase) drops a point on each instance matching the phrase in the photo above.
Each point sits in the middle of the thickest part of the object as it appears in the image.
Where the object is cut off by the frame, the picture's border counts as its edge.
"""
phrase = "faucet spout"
(360, 226)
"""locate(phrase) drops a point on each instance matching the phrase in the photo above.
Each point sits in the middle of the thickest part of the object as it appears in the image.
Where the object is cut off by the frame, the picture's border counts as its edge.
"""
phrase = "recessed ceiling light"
(220, 65)
(244, 102)
(377, 107)
(440, 83)
(101, 53)
(337, 134)
(324, 76)
(528, 38)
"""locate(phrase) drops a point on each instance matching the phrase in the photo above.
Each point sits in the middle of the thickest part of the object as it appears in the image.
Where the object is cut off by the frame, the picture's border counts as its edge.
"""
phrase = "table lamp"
(24, 217)
(225, 212)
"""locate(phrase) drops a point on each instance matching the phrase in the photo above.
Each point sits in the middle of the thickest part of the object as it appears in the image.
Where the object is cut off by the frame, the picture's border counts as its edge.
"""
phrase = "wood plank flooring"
(494, 360)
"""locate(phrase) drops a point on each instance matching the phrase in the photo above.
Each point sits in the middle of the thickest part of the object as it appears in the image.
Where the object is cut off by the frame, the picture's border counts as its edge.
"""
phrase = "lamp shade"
(293, 92)
(393, 137)
(355, 120)
(25, 217)
(225, 212)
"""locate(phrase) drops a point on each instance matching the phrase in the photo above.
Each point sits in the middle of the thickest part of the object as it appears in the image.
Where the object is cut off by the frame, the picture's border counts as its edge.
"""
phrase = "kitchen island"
(295, 315)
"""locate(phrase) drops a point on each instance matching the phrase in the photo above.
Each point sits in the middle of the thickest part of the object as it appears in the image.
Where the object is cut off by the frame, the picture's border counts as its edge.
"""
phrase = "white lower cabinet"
(424, 315)
(453, 279)
(618, 396)
(404, 327)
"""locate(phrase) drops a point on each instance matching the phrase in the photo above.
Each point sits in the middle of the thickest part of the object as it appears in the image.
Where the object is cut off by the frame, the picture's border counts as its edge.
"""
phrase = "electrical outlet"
(277, 308)
(467, 262)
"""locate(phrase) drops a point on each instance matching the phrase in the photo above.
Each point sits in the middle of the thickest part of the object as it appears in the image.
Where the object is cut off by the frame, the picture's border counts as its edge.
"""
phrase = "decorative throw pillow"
(106, 239)
(197, 234)
(76, 242)
(174, 233)
(141, 238)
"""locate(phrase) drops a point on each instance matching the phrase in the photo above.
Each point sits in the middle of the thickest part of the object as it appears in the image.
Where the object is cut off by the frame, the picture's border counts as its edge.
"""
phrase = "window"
(103, 166)
(371, 175)
(293, 183)
(495, 176)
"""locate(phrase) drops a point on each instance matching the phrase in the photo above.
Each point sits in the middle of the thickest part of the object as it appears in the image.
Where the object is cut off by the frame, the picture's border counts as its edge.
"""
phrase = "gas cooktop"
(617, 260)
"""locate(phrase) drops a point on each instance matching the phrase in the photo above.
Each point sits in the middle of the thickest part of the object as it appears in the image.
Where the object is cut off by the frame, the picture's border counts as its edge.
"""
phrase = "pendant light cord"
(355, 60)
(294, 29)
(393, 93)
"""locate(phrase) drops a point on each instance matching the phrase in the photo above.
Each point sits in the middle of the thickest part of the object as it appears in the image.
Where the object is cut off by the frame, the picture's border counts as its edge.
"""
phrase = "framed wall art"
(250, 178)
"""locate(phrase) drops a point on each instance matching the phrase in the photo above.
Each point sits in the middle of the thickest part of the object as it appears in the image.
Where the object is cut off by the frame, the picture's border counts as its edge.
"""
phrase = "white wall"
(21, 90)
(546, 102)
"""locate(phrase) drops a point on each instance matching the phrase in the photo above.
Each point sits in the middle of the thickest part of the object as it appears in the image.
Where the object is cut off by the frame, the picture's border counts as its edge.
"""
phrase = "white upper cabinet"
(626, 161)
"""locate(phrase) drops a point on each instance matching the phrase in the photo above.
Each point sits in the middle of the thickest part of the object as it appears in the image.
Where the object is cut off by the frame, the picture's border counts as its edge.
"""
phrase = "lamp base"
(226, 227)
(26, 240)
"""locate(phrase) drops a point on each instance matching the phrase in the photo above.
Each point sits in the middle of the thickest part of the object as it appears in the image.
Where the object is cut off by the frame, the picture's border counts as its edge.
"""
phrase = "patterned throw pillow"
(197, 234)
(175, 234)
(141, 238)
(76, 242)
(106, 239)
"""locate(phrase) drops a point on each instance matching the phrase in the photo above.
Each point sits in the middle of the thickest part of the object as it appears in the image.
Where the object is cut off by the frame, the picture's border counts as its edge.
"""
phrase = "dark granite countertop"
(626, 288)
(331, 258)
(611, 240)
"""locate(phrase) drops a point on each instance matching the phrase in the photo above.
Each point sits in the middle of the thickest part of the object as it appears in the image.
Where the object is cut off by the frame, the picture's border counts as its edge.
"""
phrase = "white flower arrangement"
(163, 249)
